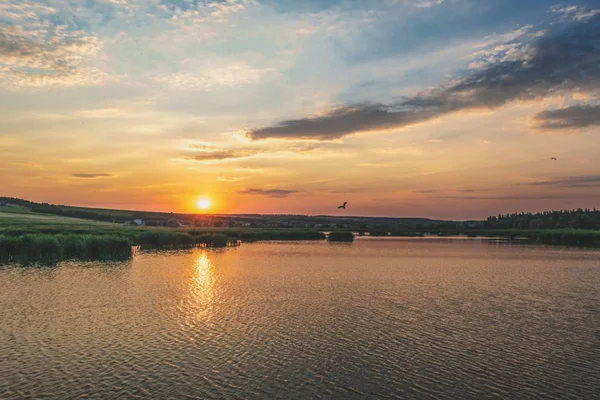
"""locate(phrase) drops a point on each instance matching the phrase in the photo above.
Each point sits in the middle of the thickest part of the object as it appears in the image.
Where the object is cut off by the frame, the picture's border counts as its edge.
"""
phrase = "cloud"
(570, 181)
(230, 178)
(516, 197)
(210, 153)
(276, 193)
(579, 116)
(209, 75)
(561, 61)
(218, 155)
(574, 12)
(90, 176)
(35, 50)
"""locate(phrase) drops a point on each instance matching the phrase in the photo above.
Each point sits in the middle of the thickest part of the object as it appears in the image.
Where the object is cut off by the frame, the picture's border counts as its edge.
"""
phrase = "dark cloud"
(571, 181)
(466, 190)
(566, 59)
(91, 176)
(579, 116)
(277, 193)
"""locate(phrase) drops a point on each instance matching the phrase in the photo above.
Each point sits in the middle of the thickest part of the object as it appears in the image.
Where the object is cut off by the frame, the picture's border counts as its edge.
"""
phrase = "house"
(139, 222)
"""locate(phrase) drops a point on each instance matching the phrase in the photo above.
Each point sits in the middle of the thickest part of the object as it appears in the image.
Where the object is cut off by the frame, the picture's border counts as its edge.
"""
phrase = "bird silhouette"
(343, 205)
(553, 158)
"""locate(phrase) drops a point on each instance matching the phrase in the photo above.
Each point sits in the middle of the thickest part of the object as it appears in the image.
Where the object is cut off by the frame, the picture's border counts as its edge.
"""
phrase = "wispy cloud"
(574, 12)
(218, 155)
(276, 193)
(211, 153)
(231, 75)
(91, 175)
(570, 181)
(230, 178)
(562, 61)
(509, 197)
(579, 116)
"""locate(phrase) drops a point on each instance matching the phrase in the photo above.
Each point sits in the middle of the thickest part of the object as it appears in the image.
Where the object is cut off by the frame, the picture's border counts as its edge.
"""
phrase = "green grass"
(22, 216)
(13, 209)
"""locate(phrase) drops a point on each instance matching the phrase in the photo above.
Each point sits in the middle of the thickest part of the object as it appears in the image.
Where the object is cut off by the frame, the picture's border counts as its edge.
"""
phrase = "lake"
(377, 318)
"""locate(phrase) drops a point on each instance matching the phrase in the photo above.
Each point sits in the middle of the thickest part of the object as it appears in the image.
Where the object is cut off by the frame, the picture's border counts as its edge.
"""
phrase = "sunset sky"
(433, 108)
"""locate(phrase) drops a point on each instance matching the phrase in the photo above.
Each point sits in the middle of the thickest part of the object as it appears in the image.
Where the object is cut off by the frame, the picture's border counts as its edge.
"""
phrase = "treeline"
(581, 218)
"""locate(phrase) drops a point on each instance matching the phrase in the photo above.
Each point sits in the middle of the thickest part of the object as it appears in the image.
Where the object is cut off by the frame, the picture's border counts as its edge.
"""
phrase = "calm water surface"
(430, 319)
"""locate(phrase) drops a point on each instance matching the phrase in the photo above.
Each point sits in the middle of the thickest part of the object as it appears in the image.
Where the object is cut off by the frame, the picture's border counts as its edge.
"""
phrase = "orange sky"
(301, 112)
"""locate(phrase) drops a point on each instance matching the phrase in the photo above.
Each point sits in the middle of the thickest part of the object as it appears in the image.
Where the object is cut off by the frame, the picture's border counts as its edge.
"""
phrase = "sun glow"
(203, 204)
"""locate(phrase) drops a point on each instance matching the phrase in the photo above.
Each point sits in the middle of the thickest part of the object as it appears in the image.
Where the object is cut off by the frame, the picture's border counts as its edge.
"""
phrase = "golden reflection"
(201, 292)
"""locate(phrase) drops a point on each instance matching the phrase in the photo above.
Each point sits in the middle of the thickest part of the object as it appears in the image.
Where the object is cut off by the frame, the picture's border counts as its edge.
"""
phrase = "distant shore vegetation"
(43, 233)
(48, 245)
(340, 236)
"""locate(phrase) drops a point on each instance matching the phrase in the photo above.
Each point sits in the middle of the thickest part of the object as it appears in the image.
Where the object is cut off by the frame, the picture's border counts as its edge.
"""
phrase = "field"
(17, 216)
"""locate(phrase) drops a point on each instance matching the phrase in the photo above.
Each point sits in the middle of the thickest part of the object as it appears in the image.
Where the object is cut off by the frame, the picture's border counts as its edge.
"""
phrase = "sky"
(447, 109)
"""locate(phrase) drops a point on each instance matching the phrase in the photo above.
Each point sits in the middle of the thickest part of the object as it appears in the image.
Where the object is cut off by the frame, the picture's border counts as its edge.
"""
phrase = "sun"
(204, 204)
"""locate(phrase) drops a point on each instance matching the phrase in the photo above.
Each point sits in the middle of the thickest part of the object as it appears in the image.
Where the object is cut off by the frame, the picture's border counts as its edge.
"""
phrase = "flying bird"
(553, 158)
(343, 205)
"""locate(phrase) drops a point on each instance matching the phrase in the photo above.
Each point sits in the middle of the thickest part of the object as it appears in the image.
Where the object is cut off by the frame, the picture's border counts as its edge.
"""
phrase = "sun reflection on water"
(198, 303)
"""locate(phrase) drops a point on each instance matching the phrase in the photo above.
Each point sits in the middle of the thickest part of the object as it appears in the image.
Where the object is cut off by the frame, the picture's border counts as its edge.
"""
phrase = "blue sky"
(394, 104)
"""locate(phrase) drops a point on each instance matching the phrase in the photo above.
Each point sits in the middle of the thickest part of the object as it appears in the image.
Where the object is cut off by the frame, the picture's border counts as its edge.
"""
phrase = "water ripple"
(377, 319)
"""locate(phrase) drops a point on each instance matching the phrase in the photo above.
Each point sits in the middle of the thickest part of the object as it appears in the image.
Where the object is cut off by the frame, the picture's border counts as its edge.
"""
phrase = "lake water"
(378, 318)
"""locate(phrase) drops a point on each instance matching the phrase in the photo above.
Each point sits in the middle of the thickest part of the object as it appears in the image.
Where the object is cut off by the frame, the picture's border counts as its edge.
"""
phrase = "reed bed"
(165, 240)
(47, 249)
(340, 236)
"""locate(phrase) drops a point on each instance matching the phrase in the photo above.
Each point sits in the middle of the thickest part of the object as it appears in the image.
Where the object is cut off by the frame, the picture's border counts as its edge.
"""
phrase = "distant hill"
(225, 220)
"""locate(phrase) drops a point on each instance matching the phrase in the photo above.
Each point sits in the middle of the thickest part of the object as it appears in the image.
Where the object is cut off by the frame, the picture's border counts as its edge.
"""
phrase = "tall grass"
(213, 240)
(29, 248)
(86, 247)
(165, 239)
(43, 248)
(340, 236)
